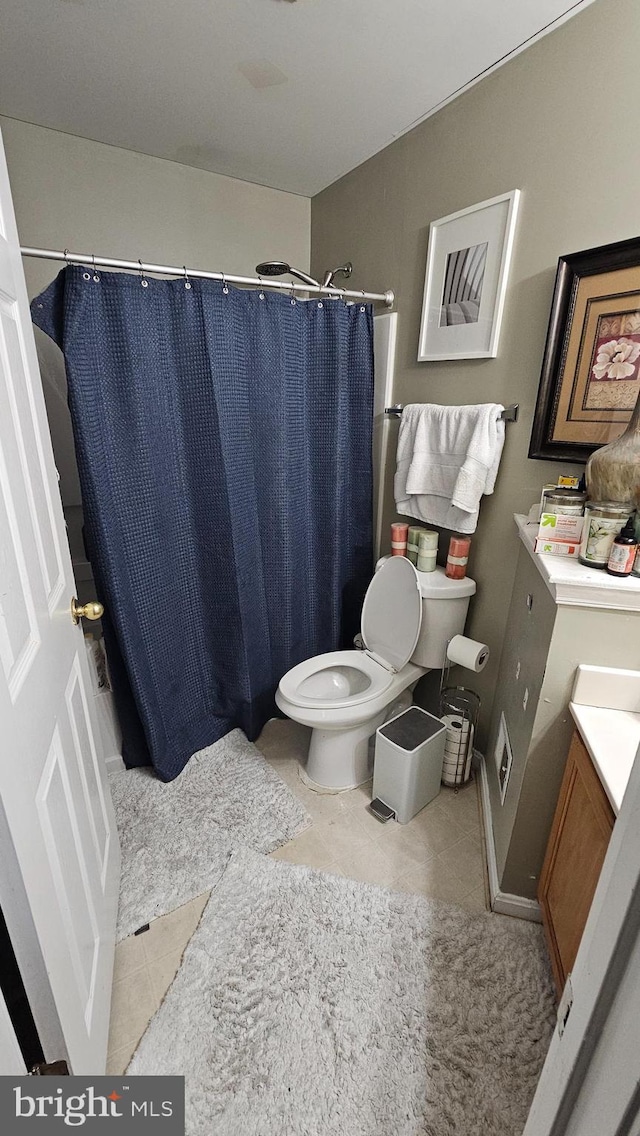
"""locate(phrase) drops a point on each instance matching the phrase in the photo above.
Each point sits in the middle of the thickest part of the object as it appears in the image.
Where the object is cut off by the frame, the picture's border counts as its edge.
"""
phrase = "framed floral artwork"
(466, 280)
(590, 377)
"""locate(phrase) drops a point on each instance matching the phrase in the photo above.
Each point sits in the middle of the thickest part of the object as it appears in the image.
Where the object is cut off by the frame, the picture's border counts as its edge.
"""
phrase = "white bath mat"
(176, 838)
(312, 1005)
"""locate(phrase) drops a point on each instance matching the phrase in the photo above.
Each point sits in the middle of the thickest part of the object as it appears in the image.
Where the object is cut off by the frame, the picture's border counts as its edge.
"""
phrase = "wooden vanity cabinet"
(577, 847)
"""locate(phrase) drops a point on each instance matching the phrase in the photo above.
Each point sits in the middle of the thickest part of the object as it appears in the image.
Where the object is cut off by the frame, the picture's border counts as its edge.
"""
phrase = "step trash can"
(408, 761)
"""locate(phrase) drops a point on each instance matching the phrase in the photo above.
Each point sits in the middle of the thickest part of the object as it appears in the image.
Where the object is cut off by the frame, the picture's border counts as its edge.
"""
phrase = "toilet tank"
(445, 604)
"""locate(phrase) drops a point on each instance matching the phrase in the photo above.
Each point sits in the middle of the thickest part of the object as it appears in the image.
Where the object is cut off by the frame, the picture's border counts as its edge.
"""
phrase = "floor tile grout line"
(128, 973)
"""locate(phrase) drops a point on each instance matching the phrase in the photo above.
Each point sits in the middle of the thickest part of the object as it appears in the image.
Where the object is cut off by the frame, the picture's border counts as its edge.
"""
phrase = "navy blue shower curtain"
(223, 440)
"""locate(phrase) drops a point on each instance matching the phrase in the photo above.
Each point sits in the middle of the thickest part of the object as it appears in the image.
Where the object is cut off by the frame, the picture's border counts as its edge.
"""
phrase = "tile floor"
(439, 854)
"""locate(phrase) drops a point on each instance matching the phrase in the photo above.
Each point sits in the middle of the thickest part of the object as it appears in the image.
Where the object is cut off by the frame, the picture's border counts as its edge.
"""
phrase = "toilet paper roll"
(456, 737)
(456, 766)
(468, 653)
(458, 726)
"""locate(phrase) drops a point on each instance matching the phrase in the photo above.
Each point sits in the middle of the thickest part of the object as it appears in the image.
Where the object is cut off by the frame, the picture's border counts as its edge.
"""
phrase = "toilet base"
(324, 790)
(339, 759)
(342, 759)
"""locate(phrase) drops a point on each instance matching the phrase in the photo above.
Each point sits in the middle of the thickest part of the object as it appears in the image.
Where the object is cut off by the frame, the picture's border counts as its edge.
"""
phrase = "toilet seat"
(392, 613)
(372, 677)
(391, 619)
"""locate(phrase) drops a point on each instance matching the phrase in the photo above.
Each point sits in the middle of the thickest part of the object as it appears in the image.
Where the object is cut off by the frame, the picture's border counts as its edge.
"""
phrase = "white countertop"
(571, 582)
(606, 709)
(612, 738)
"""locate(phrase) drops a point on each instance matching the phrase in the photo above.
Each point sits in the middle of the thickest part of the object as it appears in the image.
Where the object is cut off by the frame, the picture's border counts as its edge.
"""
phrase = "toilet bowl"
(408, 617)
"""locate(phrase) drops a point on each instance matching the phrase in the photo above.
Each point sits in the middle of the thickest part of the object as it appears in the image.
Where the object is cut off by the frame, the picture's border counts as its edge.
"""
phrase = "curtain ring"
(66, 257)
(225, 286)
(187, 282)
(95, 270)
(261, 293)
(145, 283)
(363, 307)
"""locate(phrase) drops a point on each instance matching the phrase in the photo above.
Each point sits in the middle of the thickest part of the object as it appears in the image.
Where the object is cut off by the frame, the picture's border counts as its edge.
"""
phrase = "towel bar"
(509, 414)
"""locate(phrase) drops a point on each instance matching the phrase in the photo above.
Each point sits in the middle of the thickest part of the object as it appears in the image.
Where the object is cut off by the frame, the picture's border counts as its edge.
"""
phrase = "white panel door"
(53, 783)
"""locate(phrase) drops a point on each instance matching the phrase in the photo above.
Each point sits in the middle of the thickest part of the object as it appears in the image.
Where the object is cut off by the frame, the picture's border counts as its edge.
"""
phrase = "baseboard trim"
(518, 906)
(502, 902)
(114, 764)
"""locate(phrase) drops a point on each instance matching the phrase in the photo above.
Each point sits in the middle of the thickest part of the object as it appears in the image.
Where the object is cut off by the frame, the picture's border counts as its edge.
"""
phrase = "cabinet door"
(577, 847)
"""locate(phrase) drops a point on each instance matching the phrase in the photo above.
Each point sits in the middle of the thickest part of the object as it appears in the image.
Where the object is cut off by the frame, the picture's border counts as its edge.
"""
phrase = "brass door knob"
(92, 610)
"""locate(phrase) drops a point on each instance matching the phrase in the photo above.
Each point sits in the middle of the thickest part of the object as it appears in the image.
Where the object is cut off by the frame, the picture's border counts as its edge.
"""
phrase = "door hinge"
(564, 1007)
(54, 1069)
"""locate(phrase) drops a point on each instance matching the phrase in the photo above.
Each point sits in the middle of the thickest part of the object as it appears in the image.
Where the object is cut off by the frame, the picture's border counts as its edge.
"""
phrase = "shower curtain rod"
(198, 274)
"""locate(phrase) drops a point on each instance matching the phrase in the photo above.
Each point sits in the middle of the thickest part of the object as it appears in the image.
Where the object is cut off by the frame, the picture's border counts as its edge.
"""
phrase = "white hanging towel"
(447, 458)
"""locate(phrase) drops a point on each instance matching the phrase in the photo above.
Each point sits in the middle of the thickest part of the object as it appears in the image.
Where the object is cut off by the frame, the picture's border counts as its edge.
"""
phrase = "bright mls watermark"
(129, 1105)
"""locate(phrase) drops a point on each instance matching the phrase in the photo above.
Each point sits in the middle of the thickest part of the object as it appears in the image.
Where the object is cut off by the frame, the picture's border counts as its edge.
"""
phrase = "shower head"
(281, 268)
(329, 276)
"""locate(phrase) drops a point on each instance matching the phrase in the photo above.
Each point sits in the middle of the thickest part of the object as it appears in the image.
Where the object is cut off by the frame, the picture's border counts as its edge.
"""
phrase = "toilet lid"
(392, 612)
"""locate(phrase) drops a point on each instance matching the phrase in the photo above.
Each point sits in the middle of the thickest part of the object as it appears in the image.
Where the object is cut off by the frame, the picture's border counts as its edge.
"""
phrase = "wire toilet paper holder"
(458, 709)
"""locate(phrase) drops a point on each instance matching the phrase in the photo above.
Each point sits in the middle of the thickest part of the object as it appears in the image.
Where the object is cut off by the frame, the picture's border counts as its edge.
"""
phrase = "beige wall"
(558, 123)
(529, 631)
(88, 197)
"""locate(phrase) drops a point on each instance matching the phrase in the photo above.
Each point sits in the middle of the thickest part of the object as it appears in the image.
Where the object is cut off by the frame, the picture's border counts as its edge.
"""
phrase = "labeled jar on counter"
(603, 521)
(566, 502)
(623, 551)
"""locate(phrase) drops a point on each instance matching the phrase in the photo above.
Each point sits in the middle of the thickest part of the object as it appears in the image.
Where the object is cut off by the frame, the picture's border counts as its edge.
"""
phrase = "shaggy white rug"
(176, 838)
(311, 1005)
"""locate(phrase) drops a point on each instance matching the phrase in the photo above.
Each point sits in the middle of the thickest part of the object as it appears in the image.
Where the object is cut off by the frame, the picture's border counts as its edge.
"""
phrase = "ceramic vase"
(613, 471)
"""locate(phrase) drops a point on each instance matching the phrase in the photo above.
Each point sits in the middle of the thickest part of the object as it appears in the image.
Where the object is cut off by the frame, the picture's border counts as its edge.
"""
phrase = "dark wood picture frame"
(572, 269)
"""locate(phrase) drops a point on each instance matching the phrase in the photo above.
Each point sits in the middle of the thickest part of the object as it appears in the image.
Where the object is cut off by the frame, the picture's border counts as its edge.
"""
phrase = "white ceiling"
(287, 93)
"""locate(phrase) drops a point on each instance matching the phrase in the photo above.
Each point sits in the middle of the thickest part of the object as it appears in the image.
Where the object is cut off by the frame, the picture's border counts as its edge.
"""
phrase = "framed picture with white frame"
(466, 280)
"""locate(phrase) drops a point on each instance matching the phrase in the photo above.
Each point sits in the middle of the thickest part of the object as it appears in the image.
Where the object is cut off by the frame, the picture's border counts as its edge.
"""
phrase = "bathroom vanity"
(578, 843)
(562, 614)
(605, 707)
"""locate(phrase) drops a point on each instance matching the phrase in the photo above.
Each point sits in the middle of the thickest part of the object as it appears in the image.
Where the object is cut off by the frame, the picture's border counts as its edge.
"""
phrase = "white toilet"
(408, 617)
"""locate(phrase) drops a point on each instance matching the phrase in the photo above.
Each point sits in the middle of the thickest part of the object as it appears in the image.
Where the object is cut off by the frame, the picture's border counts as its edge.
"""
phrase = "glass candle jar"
(412, 542)
(399, 533)
(427, 550)
(566, 502)
(602, 523)
(457, 558)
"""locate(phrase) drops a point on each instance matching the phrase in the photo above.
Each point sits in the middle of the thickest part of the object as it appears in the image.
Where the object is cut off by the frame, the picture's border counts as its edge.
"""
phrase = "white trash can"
(408, 764)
